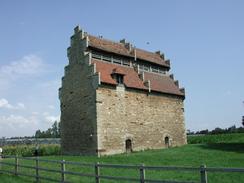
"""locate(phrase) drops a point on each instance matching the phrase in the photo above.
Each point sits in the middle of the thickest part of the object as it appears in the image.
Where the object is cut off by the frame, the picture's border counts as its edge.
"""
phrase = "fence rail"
(202, 170)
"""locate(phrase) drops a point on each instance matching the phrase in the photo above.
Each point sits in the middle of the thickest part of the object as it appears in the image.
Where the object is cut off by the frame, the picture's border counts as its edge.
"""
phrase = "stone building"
(116, 98)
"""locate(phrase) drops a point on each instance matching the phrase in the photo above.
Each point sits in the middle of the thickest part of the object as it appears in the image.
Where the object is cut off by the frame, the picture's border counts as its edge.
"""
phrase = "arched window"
(166, 141)
(128, 146)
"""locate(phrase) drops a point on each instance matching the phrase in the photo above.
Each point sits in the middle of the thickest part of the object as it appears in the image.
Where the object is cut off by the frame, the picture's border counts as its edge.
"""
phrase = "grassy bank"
(212, 155)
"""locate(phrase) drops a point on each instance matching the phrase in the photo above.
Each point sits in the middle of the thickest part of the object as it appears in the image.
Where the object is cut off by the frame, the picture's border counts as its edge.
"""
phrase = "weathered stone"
(98, 119)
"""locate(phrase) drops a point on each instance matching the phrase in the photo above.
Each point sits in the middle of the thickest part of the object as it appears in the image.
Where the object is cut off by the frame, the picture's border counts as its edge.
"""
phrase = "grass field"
(212, 155)
(220, 138)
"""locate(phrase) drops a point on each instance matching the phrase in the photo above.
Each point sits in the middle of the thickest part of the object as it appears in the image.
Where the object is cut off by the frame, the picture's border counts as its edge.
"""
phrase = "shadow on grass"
(233, 147)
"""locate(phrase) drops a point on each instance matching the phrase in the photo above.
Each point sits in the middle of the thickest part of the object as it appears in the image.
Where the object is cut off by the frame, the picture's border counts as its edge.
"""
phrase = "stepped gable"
(120, 48)
(158, 83)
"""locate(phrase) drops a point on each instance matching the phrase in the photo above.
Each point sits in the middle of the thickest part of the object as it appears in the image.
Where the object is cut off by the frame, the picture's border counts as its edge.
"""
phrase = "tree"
(53, 132)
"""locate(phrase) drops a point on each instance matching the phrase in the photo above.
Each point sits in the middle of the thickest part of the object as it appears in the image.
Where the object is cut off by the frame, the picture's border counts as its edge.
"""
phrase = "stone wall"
(77, 97)
(145, 118)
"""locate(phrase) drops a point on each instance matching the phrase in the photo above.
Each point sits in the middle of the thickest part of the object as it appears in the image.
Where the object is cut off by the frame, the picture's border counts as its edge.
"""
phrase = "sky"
(203, 39)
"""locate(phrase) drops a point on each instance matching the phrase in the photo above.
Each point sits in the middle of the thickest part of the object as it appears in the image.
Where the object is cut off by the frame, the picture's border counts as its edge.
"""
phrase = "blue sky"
(203, 39)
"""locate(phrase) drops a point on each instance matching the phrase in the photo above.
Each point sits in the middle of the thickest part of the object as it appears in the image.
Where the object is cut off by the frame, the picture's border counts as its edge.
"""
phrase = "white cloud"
(16, 121)
(50, 118)
(5, 104)
(26, 66)
(30, 64)
(24, 125)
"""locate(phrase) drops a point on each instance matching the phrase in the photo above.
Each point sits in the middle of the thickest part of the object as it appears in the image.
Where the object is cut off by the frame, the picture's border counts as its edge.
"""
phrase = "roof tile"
(159, 83)
(119, 48)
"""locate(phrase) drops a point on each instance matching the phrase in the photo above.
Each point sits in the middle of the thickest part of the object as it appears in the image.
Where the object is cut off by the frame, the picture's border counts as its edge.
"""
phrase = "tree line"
(53, 132)
(232, 129)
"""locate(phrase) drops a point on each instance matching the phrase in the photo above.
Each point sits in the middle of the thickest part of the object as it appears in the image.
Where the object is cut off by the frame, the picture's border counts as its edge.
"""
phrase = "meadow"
(219, 138)
(229, 153)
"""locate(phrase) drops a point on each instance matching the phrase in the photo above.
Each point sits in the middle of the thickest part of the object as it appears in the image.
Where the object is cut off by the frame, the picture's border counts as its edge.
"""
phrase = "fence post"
(203, 174)
(142, 174)
(16, 165)
(97, 172)
(62, 170)
(37, 169)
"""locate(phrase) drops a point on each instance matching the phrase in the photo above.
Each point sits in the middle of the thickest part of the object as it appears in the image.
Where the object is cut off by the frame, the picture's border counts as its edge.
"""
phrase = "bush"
(28, 150)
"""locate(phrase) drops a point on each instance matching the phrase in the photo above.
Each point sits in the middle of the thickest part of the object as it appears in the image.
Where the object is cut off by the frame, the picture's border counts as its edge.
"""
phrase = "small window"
(119, 78)
(117, 61)
(96, 55)
(106, 58)
(146, 68)
(126, 63)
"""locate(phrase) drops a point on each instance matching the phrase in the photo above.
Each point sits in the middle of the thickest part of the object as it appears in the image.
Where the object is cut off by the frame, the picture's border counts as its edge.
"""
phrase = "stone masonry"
(99, 115)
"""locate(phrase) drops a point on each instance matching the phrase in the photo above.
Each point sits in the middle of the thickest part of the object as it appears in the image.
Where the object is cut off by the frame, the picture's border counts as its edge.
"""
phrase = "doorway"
(128, 146)
(166, 141)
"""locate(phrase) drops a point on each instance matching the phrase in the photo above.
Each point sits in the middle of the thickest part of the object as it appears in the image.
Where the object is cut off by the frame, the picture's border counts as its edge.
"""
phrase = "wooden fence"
(202, 170)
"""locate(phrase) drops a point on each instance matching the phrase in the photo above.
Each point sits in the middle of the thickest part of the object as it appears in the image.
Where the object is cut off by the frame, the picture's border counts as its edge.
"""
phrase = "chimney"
(162, 56)
(158, 52)
(128, 46)
(167, 62)
(77, 29)
(182, 90)
(123, 41)
(176, 83)
(171, 76)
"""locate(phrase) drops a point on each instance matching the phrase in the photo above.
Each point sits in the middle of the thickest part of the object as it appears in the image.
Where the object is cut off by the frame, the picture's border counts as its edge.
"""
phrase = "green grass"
(220, 138)
(212, 155)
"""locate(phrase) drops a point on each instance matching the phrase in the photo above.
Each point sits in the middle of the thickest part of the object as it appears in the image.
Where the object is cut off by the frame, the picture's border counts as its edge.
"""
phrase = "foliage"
(219, 138)
(28, 150)
(53, 132)
(232, 129)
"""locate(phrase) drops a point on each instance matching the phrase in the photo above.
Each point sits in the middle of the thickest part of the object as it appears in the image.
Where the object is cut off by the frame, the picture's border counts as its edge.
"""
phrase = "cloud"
(50, 118)
(5, 104)
(24, 125)
(16, 121)
(28, 65)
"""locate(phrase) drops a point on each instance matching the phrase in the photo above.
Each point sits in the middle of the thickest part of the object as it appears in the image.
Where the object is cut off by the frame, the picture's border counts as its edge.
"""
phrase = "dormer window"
(118, 75)
(119, 78)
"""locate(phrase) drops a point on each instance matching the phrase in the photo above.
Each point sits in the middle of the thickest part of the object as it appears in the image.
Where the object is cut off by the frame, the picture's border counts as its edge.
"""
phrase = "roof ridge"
(118, 42)
(105, 39)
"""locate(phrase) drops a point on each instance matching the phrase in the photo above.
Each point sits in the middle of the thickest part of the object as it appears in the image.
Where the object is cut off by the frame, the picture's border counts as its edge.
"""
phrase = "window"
(117, 61)
(119, 78)
(126, 62)
(96, 56)
(106, 58)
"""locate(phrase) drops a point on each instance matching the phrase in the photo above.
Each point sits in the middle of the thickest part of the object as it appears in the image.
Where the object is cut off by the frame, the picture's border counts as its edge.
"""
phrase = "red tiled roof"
(159, 83)
(119, 48)
(162, 84)
(131, 78)
(118, 70)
